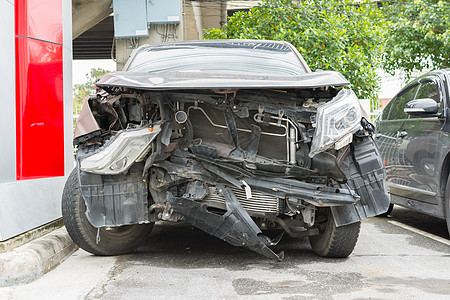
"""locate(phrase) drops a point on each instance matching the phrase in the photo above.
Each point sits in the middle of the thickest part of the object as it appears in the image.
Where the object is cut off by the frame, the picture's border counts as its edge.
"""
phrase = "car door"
(419, 148)
(409, 146)
(388, 127)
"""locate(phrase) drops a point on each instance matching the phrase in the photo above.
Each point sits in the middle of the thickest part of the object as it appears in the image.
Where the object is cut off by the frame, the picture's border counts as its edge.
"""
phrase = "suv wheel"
(113, 241)
(447, 204)
(332, 241)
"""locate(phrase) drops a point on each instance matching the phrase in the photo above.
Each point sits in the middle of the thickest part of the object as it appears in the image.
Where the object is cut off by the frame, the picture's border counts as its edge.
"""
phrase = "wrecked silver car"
(236, 137)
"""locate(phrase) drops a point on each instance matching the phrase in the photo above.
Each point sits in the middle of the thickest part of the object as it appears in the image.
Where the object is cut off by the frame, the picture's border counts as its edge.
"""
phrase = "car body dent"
(192, 80)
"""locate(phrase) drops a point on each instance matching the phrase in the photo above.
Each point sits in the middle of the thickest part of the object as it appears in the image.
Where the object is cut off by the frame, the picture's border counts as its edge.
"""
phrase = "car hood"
(203, 80)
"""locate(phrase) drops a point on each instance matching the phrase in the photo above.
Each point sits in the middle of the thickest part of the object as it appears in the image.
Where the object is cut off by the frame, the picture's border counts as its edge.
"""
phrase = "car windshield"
(262, 58)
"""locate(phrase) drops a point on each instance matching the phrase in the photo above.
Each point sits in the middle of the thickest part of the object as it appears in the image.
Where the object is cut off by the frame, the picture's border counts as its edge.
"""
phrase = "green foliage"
(344, 36)
(418, 37)
(80, 91)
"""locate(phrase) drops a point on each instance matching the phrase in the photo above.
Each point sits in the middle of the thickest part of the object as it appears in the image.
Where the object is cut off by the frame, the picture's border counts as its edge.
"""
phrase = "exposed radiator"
(259, 203)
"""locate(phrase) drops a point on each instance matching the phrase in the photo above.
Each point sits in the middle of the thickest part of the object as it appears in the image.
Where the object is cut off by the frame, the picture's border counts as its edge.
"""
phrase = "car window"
(399, 102)
(250, 57)
(428, 89)
(387, 109)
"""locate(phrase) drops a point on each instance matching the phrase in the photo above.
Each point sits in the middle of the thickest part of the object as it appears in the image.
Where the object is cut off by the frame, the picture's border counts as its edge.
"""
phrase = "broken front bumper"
(123, 200)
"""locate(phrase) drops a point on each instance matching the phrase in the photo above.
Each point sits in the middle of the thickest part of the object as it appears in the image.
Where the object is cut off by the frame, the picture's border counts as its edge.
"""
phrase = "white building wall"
(7, 98)
(68, 91)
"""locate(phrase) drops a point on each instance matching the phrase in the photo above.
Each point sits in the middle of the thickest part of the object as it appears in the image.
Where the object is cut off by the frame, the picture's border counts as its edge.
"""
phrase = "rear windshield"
(233, 57)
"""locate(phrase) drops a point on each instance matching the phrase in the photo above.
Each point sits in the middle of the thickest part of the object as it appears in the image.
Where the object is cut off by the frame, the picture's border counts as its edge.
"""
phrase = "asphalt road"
(406, 256)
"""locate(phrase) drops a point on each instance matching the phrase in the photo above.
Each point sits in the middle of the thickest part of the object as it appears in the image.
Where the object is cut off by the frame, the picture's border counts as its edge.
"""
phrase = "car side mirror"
(422, 107)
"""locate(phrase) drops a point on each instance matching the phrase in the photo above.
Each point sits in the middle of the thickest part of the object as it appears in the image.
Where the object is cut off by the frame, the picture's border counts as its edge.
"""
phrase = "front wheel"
(447, 204)
(332, 241)
(106, 241)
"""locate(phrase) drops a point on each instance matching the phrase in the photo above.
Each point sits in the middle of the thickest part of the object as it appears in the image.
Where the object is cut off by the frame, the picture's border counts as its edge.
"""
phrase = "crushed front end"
(234, 163)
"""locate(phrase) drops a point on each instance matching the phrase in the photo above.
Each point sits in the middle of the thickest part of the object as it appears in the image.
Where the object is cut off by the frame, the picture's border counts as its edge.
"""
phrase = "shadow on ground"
(420, 221)
(183, 246)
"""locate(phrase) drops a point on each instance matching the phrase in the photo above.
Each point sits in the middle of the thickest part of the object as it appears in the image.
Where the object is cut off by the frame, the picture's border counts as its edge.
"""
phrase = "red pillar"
(39, 89)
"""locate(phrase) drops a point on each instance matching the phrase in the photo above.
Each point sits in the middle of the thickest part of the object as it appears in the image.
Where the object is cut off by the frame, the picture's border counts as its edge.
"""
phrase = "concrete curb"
(32, 260)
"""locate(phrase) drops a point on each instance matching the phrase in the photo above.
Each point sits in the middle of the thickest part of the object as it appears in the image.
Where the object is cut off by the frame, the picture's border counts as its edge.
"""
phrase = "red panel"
(39, 19)
(39, 109)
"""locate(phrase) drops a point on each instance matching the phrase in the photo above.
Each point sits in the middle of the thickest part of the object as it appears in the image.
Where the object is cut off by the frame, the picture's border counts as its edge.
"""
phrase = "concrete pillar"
(213, 14)
(198, 17)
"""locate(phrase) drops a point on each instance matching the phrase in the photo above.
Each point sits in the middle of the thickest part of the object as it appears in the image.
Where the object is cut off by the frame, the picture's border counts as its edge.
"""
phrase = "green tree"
(344, 36)
(418, 36)
(80, 91)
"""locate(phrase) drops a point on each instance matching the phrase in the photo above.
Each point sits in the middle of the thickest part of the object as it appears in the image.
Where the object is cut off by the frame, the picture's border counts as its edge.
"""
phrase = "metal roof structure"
(97, 42)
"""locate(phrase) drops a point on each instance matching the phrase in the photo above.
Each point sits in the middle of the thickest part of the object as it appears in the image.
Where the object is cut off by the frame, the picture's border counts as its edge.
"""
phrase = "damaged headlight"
(336, 121)
(117, 156)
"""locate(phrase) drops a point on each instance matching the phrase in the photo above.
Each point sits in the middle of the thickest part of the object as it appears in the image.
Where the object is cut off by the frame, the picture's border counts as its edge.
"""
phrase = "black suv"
(412, 134)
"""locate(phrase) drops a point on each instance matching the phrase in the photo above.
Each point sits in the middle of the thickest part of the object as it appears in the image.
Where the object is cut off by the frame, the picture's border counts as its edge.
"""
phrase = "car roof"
(439, 73)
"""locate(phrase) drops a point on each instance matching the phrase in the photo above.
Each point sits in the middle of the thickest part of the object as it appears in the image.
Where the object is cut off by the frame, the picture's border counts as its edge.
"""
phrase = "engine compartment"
(247, 121)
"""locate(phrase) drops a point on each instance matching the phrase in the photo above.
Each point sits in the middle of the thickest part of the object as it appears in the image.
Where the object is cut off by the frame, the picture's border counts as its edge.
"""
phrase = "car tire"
(113, 241)
(332, 241)
(447, 204)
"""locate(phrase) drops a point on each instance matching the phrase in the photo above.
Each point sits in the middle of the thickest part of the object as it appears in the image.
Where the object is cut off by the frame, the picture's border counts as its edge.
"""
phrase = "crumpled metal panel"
(235, 226)
(201, 80)
(115, 200)
(367, 177)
